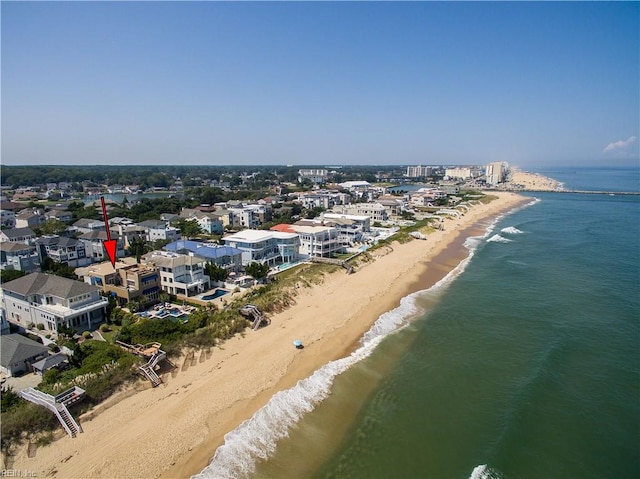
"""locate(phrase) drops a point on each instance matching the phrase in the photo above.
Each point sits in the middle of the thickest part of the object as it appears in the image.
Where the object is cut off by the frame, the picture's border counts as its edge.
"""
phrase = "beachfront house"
(266, 247)
(224, 256)
(316, 241)
(127, 282)
(52, 301)
(180, 274)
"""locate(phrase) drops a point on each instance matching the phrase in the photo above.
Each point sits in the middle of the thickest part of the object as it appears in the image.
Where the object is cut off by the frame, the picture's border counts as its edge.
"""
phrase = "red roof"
(283, 228)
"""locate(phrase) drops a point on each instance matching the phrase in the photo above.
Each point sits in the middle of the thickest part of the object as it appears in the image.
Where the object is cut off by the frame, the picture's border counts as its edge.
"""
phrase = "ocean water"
(524, 362)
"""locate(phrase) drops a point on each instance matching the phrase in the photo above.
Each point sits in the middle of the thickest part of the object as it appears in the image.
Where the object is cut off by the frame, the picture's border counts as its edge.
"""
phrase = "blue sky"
(320, 83)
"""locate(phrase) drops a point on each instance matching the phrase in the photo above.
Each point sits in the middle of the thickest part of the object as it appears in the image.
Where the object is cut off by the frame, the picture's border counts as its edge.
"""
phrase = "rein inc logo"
(17, 473)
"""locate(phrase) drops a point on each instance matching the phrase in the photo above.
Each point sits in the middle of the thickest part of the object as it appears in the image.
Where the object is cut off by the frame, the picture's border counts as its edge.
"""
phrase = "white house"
(160, 230)
(179, 273)
(18, 235)
(53, 301)
(316, 241)
(267, 247)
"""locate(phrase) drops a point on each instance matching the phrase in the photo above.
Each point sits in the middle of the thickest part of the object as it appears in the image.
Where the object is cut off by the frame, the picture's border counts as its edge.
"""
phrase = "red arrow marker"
(109, 244)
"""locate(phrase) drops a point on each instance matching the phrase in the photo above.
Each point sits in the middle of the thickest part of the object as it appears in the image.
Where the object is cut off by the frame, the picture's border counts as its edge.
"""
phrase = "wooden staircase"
(58, 408)
(148, 368)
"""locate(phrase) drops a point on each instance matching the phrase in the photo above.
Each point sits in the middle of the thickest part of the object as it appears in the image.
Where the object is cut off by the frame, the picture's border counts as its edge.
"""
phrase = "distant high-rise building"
(316, 175)
(418, 171)
(496, 172)
(462, 173)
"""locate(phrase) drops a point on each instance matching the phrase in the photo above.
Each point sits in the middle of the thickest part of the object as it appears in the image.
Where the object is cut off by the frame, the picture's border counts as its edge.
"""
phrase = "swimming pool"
(216, 294)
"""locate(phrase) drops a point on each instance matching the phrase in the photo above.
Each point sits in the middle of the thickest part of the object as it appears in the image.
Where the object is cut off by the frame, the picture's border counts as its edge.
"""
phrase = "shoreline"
(173, 431)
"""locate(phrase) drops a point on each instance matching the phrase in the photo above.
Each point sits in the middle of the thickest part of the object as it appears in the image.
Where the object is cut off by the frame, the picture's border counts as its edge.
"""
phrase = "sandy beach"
(534, 181)
(173, 431)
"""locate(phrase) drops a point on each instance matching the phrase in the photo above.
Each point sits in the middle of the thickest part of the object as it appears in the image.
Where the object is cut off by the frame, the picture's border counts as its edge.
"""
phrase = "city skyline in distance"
(320, 83)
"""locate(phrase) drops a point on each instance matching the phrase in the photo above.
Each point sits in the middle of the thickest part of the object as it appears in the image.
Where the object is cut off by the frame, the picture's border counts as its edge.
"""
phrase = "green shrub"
(86, 334)
(40, 326)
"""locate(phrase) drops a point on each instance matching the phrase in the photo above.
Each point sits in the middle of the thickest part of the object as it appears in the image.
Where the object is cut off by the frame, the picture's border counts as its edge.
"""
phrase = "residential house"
(208, 222)
(129, 232)
(29, 219)
(267, 247)
(7, 219)
(17, 354)
(223, 256)
(160, 230)
(180, 274)
(351, 228)
(375, 211)
(85, 225)
(127, 282)
(19, 256)
(18, 235)
(393, 204)
(52, 301)
(63, 249)
(315, 241)
(60, 215)
(94, 245)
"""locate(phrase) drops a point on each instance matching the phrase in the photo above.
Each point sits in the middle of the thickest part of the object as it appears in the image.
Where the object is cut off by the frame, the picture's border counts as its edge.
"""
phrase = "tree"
(215, 272)
(53, 227)
(257, 270)
(138, 246)
(7, 275)
(189, 228)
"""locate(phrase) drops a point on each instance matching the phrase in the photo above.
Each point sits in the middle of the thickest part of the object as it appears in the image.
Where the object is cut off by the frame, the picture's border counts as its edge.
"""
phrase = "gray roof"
(43, 283)
(15, 348)
(154, 224)
(57, 240)
(8, 246)
(85, 223)
(17, 232)
(99, 235)
(50, 362)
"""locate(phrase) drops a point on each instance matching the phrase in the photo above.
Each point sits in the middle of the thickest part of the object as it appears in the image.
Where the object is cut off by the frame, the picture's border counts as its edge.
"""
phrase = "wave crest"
(512, 230)
(498, 239)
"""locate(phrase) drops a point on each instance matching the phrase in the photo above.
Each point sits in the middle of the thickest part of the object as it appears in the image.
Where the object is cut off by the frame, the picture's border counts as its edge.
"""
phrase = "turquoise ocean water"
(523, 363)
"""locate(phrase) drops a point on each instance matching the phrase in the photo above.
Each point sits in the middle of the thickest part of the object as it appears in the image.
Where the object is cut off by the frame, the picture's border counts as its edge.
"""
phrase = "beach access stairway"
(148, 368)
(252, 311)
(57, 405)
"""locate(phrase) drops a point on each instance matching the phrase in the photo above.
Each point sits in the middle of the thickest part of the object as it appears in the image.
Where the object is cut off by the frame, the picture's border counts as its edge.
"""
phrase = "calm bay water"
(523, 363)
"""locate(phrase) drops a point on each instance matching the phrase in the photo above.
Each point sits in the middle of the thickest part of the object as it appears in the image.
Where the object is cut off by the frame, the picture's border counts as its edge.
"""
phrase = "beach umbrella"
(297, 343)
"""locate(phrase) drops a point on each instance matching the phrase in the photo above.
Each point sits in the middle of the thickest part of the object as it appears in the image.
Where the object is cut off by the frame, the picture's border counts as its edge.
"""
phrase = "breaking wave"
(511, 230)
(484, 472)
(498, 239)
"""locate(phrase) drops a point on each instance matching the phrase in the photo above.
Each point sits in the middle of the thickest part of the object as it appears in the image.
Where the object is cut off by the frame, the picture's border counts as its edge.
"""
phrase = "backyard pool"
(216, 294)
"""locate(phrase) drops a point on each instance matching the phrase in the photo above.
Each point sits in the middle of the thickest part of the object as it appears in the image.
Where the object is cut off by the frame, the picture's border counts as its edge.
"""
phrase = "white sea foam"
(511, 230)
(256, 438)
(484, 472)
(498, 239)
